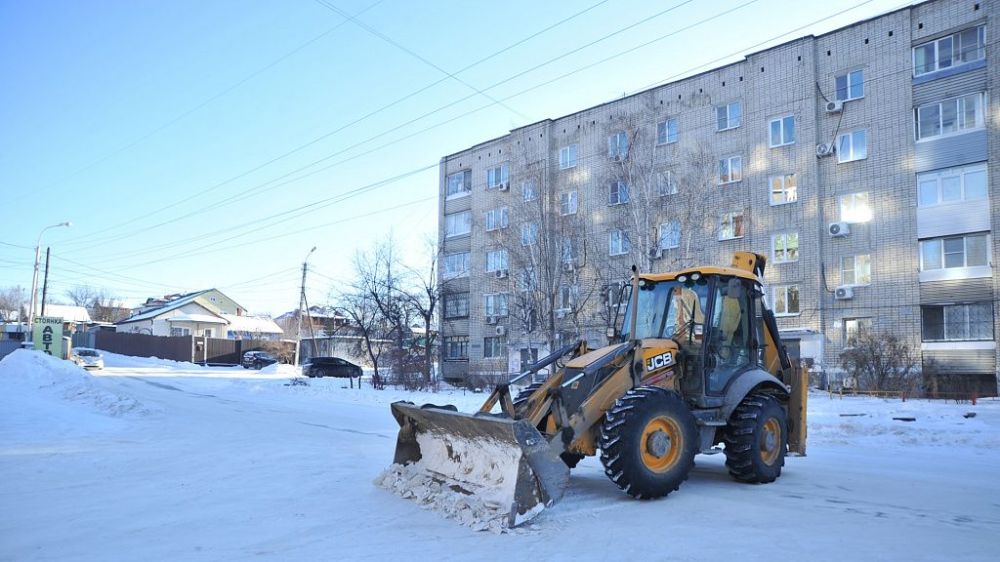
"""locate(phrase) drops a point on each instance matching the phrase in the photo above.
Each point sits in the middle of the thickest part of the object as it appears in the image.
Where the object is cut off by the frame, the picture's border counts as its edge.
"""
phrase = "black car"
(330, 367)
(257, 359)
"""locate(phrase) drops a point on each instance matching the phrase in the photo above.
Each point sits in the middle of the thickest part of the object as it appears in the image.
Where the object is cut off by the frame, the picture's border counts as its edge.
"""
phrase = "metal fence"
(209, 351)
(8, 346)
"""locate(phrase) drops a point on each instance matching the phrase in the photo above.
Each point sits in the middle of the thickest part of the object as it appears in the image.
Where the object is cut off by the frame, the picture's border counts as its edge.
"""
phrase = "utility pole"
(34, 276)
(302, 304)
(45, 284)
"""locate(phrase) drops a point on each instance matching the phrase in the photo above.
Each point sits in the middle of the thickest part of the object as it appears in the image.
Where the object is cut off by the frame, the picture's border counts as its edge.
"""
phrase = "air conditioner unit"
(835, 106)
(568, 266)
(824, 149)
(655, 253)
(501, 274)
(838, 229)
(501, 330)
(504, 186)
(491, 319)
(843, 293)
(560, 314)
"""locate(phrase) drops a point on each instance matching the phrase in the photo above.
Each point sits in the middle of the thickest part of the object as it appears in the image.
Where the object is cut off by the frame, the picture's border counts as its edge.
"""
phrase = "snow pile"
(472, 482)
(280, 369)
(118, 360)
(32, 374)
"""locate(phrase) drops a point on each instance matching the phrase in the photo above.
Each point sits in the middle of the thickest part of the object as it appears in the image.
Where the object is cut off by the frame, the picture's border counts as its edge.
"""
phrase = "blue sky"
(212, 144)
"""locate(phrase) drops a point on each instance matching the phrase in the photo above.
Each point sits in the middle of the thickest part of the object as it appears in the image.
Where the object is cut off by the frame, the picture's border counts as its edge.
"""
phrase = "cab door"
(729, 350)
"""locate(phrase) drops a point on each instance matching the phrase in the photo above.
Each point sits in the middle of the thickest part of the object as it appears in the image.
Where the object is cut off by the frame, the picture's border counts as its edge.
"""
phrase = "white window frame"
(961, 173)
(728, 163)
(859, 324)
(465, 188)
(618, 243)
(966, 313)
(567, 157)
(178, 331)
(496, 260)
(449, 301)
(497, 219)
(785, 290)
(856, 271)
(567, 251)
(733, 119)
(618, 146)
(846, 93)
(455, 265)
(456, 343)
(666, 131)
(785, 237)
(529, 191)
(568, 203)
(529, 233)
(728, 223)
(940, 241)
(494, 347)
(954, 59)
(785, 186)
(567, 297)
(855, 208)
(496, 304)
(961, 125)
(852, 154)
(666, 183)
(457, 224)
(669, 235)
(785, 137)
(618, 193)
(497, 176)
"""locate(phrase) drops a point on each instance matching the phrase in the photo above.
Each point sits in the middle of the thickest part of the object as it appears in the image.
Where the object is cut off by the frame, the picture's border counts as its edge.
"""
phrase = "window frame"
(861, 322)
(955, 61)
(787, 300)
(673, 229)
(728, 160)
(854, 269)
(618, 240)
(451, 217)
(848, 85)
(529, 191)
(965, 251)
(666, 126)
(620, 189)
(496, 304)
(497, 219)
(466, 185)
(729, 116)
(968, 323)
(960, 172)
(736, 218)
(850, 136)
(448, 303)
(784, 189)
(568, 199)
(445, 270)
(501, 256)
(960, 113)
(529, 233)
(504, 173)
(565, 162)
(782, 130)
(494, 347)
(854, 215)
(459, 343)
(665, 178)
(785, 236)
(615, 149)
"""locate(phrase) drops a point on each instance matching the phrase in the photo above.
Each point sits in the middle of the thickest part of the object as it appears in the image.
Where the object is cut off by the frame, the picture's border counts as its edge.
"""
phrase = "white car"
(87, 358)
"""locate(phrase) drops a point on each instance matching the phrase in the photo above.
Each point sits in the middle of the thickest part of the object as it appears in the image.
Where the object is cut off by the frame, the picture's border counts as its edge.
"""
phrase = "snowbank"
(117, 360)
(280, 369)
(30, 377)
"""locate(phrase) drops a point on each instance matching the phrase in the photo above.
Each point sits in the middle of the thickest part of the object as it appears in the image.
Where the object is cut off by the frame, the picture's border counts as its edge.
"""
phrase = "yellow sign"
(48, 335)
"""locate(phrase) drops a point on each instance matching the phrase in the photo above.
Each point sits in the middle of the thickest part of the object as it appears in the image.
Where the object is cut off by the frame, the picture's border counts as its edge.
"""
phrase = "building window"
(957, 322)
(786, 300)
(782, 131)
(568, 252)
(498, 177)
(850, 86)
(666, 131)
(968, 45)
(529, 191)
(730, 170)
(457, 224)
(670, 235)
(175, 332)
(494, 347)
(952, 252)
(951, 116)
(496, 260)
(458, 184)
(854, 326)
(728, 116)
(856, 270)
(785, 247)
(455, 265)
(527, 280)
(567, 203)
(456, 348)
(618, 243)
(784, 189)
(618, 146)
(731, 226)
(496, 219)
(618, 193)
(456, 305)
(529, 234)
(852, 146)
(567, 157)
(666, 183)
(855, 207)
(567, 297)
(495, 305)
(952, 185)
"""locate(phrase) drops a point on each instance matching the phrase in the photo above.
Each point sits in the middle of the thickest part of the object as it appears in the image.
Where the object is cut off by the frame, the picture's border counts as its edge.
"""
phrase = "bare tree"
(100, 304)
(421, 295)
(879, 361)
(13, 304)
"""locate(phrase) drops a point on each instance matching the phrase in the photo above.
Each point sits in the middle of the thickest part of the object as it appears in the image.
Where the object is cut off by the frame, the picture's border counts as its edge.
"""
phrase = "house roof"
(251, 324)
(68, 313)
(176, 303)
(197, 318)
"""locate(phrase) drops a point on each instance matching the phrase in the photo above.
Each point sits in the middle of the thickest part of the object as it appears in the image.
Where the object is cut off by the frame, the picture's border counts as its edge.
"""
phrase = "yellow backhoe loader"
(695, 363)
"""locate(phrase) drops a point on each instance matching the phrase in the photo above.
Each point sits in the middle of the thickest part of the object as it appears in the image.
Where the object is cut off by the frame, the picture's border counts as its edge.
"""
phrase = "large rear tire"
(648, 442)
(756, 439)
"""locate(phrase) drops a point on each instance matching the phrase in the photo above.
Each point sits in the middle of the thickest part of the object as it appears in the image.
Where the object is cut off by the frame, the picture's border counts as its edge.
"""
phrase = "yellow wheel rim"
(770, 441)
(661, 445)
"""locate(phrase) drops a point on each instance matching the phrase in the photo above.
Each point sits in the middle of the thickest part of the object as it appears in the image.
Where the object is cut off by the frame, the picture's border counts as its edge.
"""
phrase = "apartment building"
(862, 162)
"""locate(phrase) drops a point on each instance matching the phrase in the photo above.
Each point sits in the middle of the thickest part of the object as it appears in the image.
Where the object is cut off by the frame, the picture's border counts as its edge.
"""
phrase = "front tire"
(648, 442)
(756, 439)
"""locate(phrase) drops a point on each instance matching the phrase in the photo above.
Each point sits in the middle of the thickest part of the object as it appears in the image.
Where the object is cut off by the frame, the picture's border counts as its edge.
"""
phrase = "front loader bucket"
(497, 463)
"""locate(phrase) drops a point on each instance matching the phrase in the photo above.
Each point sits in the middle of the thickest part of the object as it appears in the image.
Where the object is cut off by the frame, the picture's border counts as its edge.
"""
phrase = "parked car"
(87, 358)
(257, 359)
(330, 367)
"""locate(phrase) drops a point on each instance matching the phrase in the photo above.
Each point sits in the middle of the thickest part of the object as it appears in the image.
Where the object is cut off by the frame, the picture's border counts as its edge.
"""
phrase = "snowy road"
(225, 464)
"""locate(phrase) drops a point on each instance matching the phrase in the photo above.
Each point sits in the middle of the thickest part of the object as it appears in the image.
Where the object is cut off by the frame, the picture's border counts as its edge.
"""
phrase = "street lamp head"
(67, 224)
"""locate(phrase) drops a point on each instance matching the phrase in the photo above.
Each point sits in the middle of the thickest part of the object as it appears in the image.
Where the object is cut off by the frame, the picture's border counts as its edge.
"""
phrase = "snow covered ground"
(157, 460)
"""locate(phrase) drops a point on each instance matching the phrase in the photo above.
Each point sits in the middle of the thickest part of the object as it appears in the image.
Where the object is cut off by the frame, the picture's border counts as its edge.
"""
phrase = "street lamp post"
(302, 300)
(34, 276)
